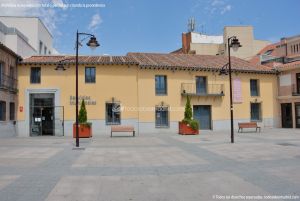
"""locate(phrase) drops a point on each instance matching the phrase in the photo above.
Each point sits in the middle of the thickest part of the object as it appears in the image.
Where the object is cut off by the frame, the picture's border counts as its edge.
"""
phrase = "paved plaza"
(162, 167)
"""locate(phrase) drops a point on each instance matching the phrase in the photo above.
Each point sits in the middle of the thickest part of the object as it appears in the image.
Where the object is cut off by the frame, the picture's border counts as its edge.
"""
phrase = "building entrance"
(45, 118)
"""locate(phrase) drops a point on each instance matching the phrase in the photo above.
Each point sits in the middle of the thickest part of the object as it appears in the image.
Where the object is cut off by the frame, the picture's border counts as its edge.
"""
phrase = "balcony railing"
(295, 90)
(190, 89)
(8, 83)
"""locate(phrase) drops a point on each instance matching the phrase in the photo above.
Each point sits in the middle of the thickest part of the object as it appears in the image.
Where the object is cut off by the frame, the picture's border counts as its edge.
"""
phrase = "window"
(1, 74)
(90, 74)
(161, 85)
(113, 113)
(40, 47)
(49, 52)
(45, 50)
(35, 75)
(201, 85)
(255, 111)
(2, 110)
(161, 116)
(268, 52)
(12, 111)
(254, 87)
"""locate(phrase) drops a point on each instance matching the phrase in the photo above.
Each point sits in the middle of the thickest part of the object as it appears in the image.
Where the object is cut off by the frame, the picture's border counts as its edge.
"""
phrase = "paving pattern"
(152, 167)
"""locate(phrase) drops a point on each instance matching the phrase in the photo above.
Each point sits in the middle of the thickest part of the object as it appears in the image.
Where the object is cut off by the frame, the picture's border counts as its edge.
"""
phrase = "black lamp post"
(92, 43)
(233, 43)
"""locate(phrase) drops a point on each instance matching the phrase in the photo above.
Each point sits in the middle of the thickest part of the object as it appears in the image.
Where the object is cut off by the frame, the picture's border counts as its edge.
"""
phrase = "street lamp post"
(93, 43)
(233, 43)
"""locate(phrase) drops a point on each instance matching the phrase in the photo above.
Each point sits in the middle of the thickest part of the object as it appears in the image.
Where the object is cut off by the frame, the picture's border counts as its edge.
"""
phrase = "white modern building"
(26, 36)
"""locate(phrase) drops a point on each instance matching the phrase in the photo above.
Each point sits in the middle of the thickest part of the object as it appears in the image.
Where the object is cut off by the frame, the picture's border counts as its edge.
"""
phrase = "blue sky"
(156, 26)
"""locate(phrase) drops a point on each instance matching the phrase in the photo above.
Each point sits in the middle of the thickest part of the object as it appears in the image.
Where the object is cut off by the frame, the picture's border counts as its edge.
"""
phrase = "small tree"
(82, 117)
(188, 113)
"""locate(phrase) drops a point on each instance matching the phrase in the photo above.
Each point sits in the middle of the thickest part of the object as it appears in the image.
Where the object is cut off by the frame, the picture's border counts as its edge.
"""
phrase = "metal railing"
(8, 83)
(209, 90)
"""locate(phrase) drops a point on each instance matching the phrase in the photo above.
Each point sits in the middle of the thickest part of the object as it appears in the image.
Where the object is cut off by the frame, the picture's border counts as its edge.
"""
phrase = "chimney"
(186, 41)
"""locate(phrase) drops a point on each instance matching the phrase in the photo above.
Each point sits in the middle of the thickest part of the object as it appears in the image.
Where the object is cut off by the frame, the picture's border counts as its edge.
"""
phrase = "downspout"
(138, 103)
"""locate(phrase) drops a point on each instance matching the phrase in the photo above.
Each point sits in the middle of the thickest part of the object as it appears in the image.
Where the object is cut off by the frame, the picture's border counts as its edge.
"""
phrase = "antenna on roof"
(191, 24)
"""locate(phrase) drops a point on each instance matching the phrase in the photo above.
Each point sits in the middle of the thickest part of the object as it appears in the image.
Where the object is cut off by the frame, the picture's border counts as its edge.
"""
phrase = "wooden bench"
(122, 129)
(248, 125)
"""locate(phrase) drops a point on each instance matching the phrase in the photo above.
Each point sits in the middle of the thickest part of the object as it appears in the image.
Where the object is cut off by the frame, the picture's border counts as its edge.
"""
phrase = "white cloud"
(95, 22)
(225, 9)
(217, 2)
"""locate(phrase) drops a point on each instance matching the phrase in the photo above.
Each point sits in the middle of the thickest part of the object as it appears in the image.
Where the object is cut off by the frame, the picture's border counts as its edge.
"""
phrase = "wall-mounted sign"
(237, 91)
(87, 100)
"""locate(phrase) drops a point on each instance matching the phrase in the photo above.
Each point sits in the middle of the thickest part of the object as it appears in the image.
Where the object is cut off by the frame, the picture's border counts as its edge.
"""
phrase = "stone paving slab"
(151, 187)
(6, 180)
(151, 167)
(128, 157)
(254, 151)
(127, 141)
(26, 157)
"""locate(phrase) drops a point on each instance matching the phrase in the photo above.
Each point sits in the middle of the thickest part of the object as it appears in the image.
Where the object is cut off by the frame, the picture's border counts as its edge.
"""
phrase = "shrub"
(188, 113)
(82, 117)
(194, 124)
(186, 121)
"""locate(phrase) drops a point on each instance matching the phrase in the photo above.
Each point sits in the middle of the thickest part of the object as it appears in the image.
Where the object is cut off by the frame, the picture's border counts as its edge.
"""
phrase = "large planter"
(185, 129)
(85, 131)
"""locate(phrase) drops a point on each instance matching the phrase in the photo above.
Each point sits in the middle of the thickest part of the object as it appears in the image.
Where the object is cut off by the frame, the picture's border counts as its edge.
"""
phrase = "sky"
(123, 26)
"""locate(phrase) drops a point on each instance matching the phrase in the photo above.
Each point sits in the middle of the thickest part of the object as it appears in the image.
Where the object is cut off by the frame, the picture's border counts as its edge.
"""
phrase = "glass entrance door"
(41, 114)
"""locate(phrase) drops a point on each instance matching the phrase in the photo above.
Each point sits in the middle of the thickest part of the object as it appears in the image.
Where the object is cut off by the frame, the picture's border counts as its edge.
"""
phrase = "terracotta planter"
(84, 131)
(185, 129)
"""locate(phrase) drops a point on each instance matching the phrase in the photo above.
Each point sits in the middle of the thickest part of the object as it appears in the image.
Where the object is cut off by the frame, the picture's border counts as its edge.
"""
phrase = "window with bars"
(113, 113)
(161, 116)
(256, 112)
(12, 111)
(2, 110)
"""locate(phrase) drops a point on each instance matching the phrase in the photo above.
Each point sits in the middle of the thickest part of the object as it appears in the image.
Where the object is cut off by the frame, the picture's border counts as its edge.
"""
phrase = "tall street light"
(93, 43)
(233, 43)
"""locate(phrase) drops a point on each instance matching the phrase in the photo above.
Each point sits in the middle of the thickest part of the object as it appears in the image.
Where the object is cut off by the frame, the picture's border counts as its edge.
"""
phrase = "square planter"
(85, 131)
(185, 129)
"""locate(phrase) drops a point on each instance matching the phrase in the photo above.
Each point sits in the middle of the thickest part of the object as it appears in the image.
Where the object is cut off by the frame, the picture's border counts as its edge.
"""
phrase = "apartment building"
(26, 36)
(149, 91)
(284, 56)
(8, 90)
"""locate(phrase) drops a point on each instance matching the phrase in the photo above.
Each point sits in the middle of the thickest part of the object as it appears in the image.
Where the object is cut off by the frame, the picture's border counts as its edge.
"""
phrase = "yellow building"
(142, 89)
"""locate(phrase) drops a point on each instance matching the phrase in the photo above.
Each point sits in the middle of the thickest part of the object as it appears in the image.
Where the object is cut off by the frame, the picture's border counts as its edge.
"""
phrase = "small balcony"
(8, 83)
(295, 90)
(191, 89)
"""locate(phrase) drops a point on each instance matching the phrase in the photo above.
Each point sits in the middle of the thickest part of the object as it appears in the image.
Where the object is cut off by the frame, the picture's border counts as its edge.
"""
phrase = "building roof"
(289, 66)
(156, 60)
(81, 59)
(8, 50)
(196, 62)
